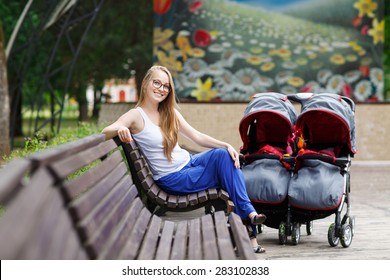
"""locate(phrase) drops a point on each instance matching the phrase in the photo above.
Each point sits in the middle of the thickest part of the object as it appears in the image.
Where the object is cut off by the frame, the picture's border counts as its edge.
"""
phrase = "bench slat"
(96, 217)
(179, 246)
(102, 234)
(213, 193)
(92, 177)
(63, 151)
(165, 243)
(194, 240)
(223, 237)
(46, 241)
(34, 212)
(182, 201)
(12, 178)
(134, 241)
(70, 164)
(241, 237)
(82, 205)
(125, 232)
(149, 244)
(209, 242)
(172, 201)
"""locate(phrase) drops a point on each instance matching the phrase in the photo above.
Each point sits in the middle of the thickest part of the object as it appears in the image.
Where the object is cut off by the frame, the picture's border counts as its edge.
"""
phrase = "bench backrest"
(213, 199)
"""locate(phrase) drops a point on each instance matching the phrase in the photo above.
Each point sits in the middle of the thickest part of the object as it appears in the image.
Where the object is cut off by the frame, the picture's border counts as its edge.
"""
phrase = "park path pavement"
(370, 204)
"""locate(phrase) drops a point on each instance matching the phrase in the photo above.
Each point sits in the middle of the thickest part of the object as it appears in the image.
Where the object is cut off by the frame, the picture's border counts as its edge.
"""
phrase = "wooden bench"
(214, 199)
(78, 201)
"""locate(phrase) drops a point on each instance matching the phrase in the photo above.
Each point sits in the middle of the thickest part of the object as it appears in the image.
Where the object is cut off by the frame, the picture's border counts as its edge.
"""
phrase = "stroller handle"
(303, 96)
(350, 102)
(339, 161)
(299, 97)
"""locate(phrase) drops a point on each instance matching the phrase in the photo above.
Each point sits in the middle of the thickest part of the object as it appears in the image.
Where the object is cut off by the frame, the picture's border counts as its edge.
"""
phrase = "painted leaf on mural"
(228, 50)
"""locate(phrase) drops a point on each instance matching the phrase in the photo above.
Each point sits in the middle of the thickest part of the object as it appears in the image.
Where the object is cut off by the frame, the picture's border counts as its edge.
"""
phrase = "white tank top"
(150, 141)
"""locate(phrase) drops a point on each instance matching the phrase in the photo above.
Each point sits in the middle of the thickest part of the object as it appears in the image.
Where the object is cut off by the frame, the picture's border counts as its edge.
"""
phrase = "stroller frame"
(342, 230)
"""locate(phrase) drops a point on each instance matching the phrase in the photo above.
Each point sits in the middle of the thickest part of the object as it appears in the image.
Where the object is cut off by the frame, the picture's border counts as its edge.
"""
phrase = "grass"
(70, 130)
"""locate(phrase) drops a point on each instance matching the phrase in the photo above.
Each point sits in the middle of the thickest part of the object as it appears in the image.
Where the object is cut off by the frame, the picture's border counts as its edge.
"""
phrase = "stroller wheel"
(346, 235)
(351, 222)
(282, 233)
(332, 239)
(309, 227)
(296, 233)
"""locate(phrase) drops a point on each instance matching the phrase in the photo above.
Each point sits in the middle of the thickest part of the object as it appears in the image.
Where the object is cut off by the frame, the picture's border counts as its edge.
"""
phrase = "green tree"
(119, 41)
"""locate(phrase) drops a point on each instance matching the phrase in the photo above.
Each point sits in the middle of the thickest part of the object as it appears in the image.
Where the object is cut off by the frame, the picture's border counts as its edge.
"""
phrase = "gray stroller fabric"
(316, 186)
(266, 180)
(334, 104)
(271, 101)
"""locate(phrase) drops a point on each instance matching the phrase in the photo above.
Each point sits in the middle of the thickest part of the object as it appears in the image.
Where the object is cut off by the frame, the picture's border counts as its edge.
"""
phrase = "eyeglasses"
(157, 84)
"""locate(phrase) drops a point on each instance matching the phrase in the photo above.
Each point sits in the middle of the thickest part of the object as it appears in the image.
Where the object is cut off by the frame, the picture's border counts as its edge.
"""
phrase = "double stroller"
(297, 166)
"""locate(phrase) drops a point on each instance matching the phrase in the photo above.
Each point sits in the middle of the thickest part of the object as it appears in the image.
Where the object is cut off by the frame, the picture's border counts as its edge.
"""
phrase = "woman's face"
(158, 87)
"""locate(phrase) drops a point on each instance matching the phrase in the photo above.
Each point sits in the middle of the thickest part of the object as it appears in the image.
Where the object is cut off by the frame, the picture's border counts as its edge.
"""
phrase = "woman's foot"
(258, 249)
(258, 219)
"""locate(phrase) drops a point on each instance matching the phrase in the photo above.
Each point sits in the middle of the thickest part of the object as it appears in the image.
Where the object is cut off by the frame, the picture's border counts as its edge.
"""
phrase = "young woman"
(155, 124)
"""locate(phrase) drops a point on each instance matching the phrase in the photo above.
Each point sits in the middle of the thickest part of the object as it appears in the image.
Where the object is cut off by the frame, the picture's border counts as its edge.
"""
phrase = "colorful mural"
(225, 50)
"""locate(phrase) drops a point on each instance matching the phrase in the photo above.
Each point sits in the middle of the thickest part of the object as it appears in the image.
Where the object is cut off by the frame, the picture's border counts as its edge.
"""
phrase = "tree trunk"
(4, 100)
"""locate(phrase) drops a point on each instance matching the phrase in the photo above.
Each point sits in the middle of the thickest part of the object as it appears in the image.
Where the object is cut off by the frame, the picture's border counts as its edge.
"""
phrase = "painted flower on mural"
(247, 79)
(377, 31)
(170, 61)
(295, 81)
(204, 91)
(352, 76)
(311, 86)
(160, 7)
(228, 57)
(202, 38)
(195, 68)
(183, 43)
(225, 82)
(197, 52)
(288, 90)
(323, 75)
(283, 76)
(266, 67)
(363, 90)
(195, 6)
(365, 7)
(335, 84)
(337, 59)
(376, 76)
(161, 39)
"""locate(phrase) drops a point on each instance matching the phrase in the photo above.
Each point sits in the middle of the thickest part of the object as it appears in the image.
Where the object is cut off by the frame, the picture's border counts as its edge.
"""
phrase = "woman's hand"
(235, 156)
(124, 134)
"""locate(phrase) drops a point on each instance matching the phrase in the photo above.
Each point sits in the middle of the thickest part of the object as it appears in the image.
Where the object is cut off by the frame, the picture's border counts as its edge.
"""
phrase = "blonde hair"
(169, 123)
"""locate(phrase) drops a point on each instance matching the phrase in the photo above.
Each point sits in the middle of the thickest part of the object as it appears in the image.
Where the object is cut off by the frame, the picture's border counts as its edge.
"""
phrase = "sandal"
(258, 249)
(258, 219)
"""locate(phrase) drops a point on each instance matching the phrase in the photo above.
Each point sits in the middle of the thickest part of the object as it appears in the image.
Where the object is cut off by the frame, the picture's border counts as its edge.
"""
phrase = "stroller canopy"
(327, 119)
(268, 119)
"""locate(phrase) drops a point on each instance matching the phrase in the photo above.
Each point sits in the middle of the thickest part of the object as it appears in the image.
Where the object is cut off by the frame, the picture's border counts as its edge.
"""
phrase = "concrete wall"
(221, 120)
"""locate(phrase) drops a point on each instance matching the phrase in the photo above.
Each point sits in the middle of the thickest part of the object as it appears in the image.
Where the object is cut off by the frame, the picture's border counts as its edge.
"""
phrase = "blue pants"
(210, 169)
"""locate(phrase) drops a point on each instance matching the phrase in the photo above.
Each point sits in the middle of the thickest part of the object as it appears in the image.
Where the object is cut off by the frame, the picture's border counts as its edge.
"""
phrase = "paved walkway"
(370, 204)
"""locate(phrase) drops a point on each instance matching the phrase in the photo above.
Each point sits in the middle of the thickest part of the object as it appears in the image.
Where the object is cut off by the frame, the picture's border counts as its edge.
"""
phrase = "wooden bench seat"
(214, 199)
(79, 201)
